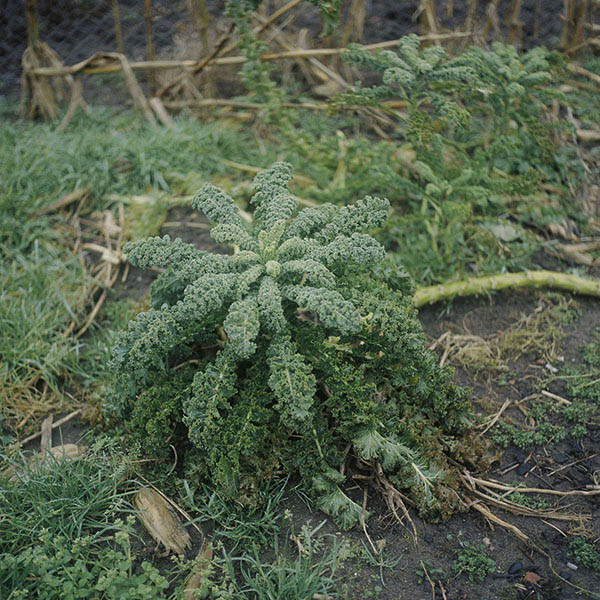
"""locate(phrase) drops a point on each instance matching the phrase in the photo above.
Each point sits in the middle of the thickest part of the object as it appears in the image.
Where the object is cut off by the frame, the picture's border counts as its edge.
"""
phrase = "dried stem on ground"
(527, 279)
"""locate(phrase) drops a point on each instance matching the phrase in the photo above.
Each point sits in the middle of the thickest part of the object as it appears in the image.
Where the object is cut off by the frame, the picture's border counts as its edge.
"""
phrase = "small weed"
(473, 561)
(427, 572)
(584, 553)
(379, 560)
(534, 502)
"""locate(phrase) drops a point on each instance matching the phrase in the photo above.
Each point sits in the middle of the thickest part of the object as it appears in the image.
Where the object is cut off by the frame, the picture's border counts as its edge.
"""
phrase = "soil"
(438, 542)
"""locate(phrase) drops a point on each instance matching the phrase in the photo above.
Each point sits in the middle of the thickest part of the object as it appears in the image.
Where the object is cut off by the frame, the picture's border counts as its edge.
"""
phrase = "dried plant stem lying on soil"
(527, 279)
(85, 67)
(472, 483)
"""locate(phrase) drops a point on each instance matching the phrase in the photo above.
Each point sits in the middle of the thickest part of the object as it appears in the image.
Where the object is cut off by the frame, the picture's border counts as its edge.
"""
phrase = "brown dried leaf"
(156, 516)
(571, 252)
(531, 577)
(109, 225)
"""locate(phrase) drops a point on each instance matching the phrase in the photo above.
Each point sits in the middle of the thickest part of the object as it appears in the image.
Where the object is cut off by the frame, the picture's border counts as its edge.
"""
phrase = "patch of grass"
(310, 574)
(112, 153)
(66, 498)
(239, 525)
(40, 294)
(61, 535)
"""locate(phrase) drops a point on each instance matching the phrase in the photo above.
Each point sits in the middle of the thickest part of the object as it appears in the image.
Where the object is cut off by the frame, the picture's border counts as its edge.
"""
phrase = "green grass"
(300, 578)
(62, 535)
(68, 498)
(236, 524)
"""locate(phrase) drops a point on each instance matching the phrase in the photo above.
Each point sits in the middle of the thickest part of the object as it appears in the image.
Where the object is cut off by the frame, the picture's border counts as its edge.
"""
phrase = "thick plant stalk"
(479, 285)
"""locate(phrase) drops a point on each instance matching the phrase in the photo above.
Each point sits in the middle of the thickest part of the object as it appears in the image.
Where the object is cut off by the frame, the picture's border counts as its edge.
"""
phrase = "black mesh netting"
(75, 29)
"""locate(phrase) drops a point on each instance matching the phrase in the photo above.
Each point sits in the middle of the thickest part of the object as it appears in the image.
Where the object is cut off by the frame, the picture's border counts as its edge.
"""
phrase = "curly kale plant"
(301, 352)
(422, 78)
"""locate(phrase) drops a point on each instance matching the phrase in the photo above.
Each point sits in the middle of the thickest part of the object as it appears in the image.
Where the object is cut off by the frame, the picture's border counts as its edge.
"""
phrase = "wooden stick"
(32, 24)
(197, 67)
(75, 196)
(135, 90)
(92, 315)
(54, 426)
(508, 488)
(559, 399)
(149, 40)
(488, 514)
(117, 19)
(159, 108)
(46, 434)
(242, 104)
(497, 416)
(270, 20)
(578, 70)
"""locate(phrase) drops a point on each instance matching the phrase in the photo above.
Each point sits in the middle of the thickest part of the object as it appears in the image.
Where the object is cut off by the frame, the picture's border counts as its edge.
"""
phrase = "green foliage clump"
(58, 567)
(473, 561)
(584, 553)
(307, 346)
(61, 535)
(479, 132)
(425, 77)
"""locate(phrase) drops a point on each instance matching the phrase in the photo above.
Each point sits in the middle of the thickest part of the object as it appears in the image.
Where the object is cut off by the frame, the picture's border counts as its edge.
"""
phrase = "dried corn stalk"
(156, 516)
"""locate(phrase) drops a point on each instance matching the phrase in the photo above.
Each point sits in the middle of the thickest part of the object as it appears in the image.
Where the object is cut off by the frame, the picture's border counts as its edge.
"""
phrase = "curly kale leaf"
(241, 326)
(292, 382)
(333, 310)
(217, 206)
(159, 252)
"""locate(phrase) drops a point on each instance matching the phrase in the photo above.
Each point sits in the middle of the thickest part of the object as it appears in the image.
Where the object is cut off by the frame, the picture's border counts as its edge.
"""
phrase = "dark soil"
(438, 542)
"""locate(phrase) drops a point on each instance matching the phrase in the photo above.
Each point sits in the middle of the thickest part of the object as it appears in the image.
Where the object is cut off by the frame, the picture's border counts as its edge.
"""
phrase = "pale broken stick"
(56, 424)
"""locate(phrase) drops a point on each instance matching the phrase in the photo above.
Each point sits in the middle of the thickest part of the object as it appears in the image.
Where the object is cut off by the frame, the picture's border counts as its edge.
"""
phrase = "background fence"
(167, 29)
